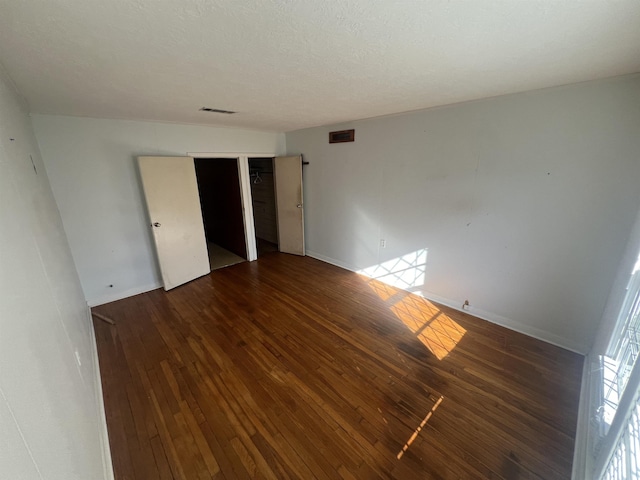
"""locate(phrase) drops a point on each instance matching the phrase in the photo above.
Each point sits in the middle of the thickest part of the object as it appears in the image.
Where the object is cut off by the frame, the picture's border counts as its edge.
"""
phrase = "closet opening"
(263, 200)
(221, 202)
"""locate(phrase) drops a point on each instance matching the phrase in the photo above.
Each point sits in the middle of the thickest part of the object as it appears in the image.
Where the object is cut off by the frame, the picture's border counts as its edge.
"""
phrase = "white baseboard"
(332, 261)
(104, 440)
(509, 323)
(94, 302)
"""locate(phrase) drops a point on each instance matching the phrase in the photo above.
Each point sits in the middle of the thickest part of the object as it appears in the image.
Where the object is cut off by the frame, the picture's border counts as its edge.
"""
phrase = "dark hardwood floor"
(292, 368)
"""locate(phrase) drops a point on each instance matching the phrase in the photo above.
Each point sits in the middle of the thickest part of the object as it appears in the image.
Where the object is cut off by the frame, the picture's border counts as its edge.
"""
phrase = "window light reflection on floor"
(391, 280)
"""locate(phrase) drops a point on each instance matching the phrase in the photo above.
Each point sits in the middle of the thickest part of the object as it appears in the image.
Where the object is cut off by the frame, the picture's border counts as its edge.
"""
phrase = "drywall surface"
(91, 167)
(521, 204)
(51, 424)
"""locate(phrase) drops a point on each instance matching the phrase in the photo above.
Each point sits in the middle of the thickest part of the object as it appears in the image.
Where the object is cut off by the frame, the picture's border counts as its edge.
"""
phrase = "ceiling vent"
(216, 110)
(342, 136)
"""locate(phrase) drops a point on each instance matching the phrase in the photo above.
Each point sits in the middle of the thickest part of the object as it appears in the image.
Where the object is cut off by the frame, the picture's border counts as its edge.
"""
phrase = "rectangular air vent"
(216, 110)
(342, 136)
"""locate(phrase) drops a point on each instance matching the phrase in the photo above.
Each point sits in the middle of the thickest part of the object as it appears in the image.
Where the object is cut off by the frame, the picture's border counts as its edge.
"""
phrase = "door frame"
(245, 192)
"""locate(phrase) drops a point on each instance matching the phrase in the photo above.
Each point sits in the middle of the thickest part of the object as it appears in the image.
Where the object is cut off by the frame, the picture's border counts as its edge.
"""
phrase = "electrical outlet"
(383, 243)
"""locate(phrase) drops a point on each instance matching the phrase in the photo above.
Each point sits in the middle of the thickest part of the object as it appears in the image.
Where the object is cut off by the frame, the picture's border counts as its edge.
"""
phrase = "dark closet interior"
(221, 201)
(264, 204)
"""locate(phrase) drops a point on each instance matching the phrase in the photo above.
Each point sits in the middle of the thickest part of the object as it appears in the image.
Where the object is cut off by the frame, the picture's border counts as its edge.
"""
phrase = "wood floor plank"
(164, 471)
(292, 368)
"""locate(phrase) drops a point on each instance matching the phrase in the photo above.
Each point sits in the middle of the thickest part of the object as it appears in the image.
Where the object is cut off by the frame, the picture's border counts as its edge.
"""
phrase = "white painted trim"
(245, 192)
(230, 154)
(120, 295)
(611, 315)
(107, 463)
(619, 425)
(247, 208)
(330, 260)
(509, 323)
(582, 461)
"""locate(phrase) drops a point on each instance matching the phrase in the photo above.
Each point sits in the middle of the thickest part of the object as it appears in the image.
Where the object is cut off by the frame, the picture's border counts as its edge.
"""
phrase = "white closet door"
(173, 202)
(289, 204)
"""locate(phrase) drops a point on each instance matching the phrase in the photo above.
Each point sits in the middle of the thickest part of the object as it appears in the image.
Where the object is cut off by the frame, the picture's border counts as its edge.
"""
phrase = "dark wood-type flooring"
(288, 367)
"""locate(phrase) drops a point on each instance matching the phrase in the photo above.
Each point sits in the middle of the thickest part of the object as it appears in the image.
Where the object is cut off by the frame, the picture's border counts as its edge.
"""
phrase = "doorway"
(180, 202)
(221, 202)
(263, 200)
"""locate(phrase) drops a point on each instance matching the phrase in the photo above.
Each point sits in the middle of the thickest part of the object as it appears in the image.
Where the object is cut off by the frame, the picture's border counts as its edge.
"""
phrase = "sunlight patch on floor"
(436, 330)
(391, 280)
(420, 427)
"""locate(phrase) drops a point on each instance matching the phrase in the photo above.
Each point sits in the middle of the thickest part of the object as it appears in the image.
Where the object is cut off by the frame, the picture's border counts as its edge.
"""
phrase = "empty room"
(334, 240)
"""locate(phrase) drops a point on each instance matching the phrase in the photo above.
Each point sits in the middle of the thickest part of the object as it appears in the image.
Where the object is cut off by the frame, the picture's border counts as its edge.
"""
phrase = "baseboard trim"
(332, 261)
(509, 323)
(107, 463)
(94, 302)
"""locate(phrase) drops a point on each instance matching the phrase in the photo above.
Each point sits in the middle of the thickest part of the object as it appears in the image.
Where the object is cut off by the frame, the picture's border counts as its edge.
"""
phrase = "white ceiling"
(287, 64)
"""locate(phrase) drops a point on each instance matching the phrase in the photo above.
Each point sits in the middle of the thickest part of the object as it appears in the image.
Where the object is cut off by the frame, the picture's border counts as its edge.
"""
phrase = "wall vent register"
(342, 136)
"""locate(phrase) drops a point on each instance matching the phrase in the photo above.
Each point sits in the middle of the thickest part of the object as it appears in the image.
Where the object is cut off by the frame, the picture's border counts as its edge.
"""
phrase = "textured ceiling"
(286, 64)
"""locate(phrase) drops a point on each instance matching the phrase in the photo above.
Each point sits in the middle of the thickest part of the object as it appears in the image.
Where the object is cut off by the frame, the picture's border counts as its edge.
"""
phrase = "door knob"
(156, 224)
(299, 205)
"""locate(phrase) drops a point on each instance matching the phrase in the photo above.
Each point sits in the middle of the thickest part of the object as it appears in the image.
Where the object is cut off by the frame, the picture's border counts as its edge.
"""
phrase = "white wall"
(51, 423)
(524, 202)
(91, 166)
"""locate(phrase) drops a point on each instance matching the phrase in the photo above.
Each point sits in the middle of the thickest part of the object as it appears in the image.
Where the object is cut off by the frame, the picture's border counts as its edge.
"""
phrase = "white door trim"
(245, 192)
